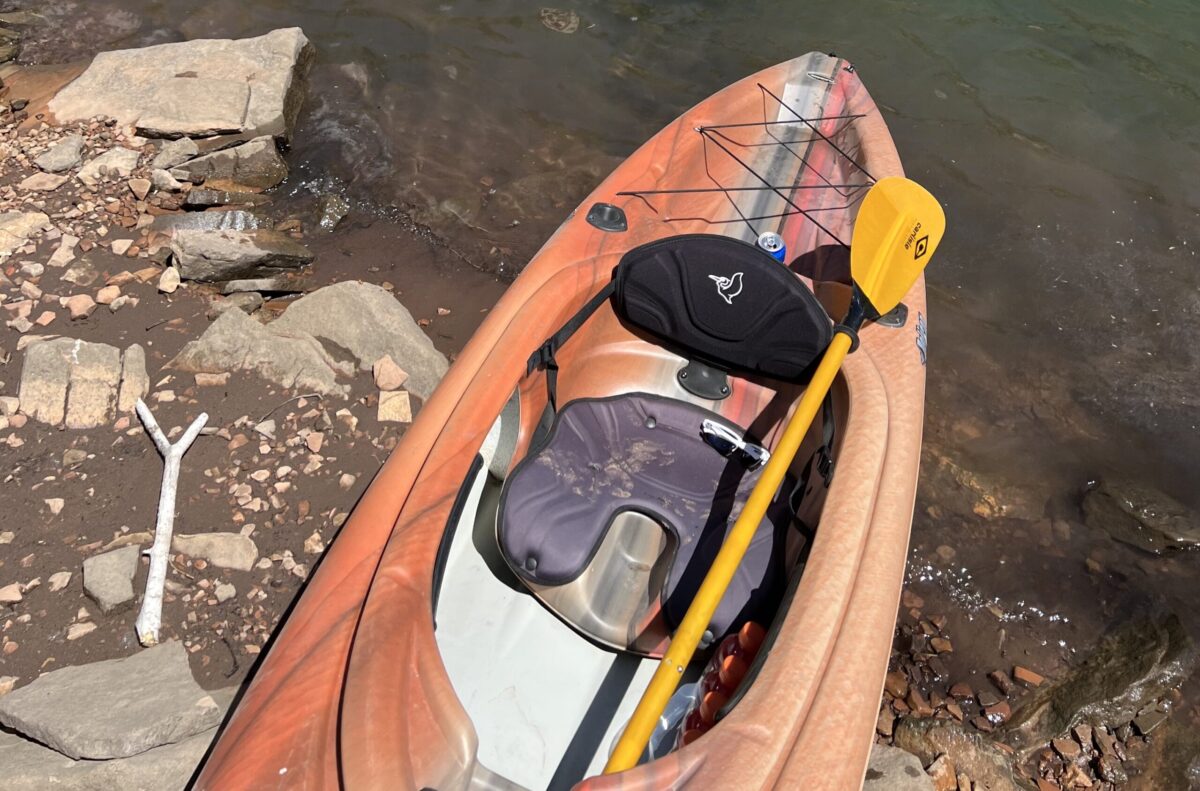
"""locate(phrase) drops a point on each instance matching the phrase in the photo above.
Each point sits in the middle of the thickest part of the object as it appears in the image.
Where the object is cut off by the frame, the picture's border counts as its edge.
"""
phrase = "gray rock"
(369, 323)
(64, 155)
(195, 106)
(247, 302)
(28, 766)
(175, 152)
(893, 769)
(163, 181)
(1141, 516)
(236, 342)
(256, 163)
(17, 226)
(223, 255)
(287, 283)
(116, 708)
(226, 550)
(235, 220)
(1133, 665)
(75, 383)
(201, 198)
(108, 578)
(136, 84)
(115, 163)
(971, 752)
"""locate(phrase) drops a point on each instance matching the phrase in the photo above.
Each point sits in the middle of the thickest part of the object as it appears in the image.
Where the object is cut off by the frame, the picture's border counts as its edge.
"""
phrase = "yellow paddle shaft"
(683, 645)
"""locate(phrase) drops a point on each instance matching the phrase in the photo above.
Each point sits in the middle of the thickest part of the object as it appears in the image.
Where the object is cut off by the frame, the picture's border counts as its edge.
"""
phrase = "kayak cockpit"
(575, 550)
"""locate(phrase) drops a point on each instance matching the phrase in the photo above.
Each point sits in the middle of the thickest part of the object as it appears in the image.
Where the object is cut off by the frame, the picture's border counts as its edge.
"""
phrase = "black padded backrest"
(724, 302)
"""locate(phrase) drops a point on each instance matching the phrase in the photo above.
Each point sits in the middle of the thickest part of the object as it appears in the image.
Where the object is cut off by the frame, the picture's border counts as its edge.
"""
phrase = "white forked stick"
(150, 617)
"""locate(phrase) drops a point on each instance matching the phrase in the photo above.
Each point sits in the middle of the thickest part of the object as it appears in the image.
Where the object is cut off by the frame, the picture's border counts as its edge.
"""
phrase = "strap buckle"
(542, 357)
(825, 465)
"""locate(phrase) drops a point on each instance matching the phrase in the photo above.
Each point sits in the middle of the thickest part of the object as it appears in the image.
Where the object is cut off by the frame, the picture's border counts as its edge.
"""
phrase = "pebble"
(225, 592)
(11, 593)
(140, 188)
(55, 504)
(1027, 676)
(346, 481)
(59, 580)
(80, 306)
(169, 281)
(121, 246)
(314, 545)
(388, 375)
(77, 630)
(7, 683)
(108, 295)
(1001, 681)
(314, 441)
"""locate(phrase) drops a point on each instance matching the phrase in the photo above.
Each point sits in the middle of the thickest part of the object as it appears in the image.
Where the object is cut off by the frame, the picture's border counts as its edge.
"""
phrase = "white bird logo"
(728, 287)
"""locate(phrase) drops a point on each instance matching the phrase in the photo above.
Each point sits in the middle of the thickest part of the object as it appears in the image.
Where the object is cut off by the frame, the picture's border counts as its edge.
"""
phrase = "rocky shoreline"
(143, 254)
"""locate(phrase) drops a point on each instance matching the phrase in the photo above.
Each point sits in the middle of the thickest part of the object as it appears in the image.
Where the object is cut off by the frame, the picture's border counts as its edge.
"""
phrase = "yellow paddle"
(899, 226)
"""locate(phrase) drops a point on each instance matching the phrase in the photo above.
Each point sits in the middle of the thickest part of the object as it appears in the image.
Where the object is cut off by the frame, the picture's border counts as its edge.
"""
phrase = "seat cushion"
(643, 453)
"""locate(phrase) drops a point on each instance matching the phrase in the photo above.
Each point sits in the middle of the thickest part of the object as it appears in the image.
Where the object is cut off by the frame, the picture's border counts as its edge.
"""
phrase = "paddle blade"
(899, 226)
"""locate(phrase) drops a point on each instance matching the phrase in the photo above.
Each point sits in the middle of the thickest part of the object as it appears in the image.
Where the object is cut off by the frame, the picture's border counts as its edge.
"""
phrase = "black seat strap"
(822, 459)
(543, 357)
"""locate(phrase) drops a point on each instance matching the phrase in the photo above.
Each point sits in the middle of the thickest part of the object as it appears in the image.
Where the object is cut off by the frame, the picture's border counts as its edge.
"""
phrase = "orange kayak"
(490, 614)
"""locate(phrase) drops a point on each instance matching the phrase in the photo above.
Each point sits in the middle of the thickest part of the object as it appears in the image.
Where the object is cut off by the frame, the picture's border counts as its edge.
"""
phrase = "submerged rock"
(893, 769)
(1141, 516)
(971, 753)
(225, 255)
(1132, 666)
(235, 220)
(251, 86)
(113, 709)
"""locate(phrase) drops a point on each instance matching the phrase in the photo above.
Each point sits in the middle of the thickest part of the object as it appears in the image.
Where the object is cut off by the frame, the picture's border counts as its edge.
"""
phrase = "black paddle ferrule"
(855, 316)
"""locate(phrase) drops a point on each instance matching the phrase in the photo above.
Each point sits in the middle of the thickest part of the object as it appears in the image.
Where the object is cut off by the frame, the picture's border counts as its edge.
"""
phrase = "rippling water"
(1062, 137)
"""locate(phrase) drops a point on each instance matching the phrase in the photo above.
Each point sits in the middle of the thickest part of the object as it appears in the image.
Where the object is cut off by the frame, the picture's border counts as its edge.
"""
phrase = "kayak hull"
(353, 692)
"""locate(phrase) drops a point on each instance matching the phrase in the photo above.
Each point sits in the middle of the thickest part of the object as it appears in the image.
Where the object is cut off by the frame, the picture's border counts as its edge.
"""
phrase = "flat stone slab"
(108, 578)
(28, 766)
(224, 550)
(113, 709)
(235, 220)
(256, 163)
(197, 107)
(17, 226)
(227, 255)
(368, 322)
(144, 86)
(74, 383)
(62, 156)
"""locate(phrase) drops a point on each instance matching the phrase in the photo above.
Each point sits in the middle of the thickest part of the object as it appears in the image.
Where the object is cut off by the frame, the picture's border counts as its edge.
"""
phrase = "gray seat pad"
(643, 453)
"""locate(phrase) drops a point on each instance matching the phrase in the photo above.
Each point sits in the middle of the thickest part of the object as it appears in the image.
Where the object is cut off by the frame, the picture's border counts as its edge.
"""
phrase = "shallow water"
(1063, 139)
